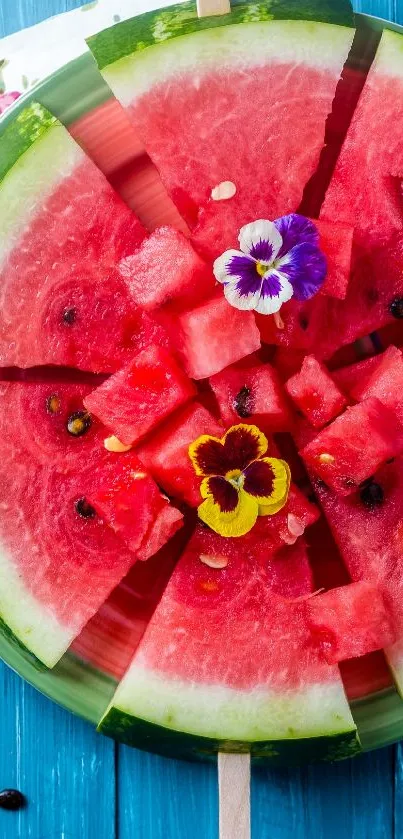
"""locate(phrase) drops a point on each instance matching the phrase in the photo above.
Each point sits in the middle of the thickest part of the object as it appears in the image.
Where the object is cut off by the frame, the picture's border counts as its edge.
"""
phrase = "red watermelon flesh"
(165, 454)
(355, 375)
(59, 291)
(364, 190)
(214, 335)
(129, 501)
(174, 117)
(354, 446)
(166, 268)
(369, 534)
(34, 419)
(251, 392)
(289, 525)
(336, 242)
(315, 393)
(205, 612)
(385, 382)
(350, 621)
(57, 564)
(140, 396)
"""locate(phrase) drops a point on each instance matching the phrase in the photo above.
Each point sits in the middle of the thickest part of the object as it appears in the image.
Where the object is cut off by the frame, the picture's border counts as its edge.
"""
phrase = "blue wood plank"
(15, 14)
(63, 767)
(348, 800)
(165, 799)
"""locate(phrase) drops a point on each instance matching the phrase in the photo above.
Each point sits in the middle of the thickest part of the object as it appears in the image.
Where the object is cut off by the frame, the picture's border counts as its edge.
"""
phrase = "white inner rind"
(318, 45)
(31, 180)
(389, 56)
(28, 619)
(221, 712)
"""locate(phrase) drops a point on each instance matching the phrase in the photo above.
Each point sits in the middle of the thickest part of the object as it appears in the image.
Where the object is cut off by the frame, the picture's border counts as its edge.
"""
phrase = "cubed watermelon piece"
(139, 396)
(350, 621)
(336, 242)
(166, 268)
(315, 393)
(385, 381)
(166, 454)
(287, 361)
(347, 377)
(287, 526)
(252, 392)
(215, 335)
(129, 501)
(354, 445)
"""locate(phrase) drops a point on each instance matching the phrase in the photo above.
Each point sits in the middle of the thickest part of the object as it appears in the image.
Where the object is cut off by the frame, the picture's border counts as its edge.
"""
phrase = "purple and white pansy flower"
(277, 260)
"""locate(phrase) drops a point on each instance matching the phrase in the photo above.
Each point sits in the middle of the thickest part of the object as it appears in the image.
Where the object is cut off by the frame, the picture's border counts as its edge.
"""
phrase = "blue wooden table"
(80, 785)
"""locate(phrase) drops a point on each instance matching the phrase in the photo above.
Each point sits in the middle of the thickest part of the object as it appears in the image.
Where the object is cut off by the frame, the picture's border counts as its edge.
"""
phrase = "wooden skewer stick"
(233, 769)
(205, 8)
(234, 795)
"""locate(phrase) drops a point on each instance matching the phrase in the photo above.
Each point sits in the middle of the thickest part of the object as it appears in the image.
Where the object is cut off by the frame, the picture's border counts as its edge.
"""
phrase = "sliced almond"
(113, 444)
(326, 458)
(214, 561)
(223, 191)
(295, 525)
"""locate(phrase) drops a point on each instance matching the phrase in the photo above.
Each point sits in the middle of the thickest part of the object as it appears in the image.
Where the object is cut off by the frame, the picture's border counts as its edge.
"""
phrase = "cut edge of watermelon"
(26, 621)
(146, 30)
(32, 123)
(168, 715)
(320, 45)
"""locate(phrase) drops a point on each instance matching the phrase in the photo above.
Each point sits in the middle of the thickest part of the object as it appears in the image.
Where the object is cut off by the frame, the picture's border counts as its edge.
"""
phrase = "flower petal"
(305, 266)
(236, 523)
(294, 230)
(243, 444)
(243, 300)
(208, 456)
(276, 290)
(281, 487)
(233, 265)
(223, 493)
(261, 240)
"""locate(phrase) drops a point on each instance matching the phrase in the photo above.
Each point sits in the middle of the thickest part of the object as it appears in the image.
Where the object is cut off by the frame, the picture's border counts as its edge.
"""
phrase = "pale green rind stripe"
(32, 624)
(223, 713)
(160, 25)
(389, 56)
(17, 136)
(317, 45)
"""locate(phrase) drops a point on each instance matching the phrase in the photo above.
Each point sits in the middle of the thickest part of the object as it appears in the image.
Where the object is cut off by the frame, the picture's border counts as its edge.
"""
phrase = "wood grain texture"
(234, 782)
(79, 787)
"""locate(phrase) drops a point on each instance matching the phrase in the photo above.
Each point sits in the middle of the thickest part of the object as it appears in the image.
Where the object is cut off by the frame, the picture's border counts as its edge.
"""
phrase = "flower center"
(236, 478)
(261, 268)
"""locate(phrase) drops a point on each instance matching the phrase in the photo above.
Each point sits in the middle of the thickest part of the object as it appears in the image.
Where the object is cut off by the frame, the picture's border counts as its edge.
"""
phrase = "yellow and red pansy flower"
(239, 482)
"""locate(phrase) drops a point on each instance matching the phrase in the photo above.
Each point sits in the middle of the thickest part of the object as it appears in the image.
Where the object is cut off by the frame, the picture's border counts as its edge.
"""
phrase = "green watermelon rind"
(161, 25)
(20, 647)
(195, 719)
(167, 742)
(18, 136)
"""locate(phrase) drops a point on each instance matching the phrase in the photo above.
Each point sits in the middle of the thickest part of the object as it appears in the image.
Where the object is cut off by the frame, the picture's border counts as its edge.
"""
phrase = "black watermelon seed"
(53, 404)
(242, 402)
(396, 307)
(303, 322)
(372, 495)
(84, 509)
(79, 423)
(69, 316)
(12, 799)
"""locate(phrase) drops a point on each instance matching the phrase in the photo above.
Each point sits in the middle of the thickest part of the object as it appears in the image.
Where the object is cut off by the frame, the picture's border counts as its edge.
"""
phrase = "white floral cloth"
(32, 54)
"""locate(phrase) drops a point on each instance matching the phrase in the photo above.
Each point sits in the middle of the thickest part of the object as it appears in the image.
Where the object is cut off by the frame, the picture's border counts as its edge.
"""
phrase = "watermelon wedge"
(211, 101)
(364, 190)
(62, 232)
(59, 558)
(220, 616)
